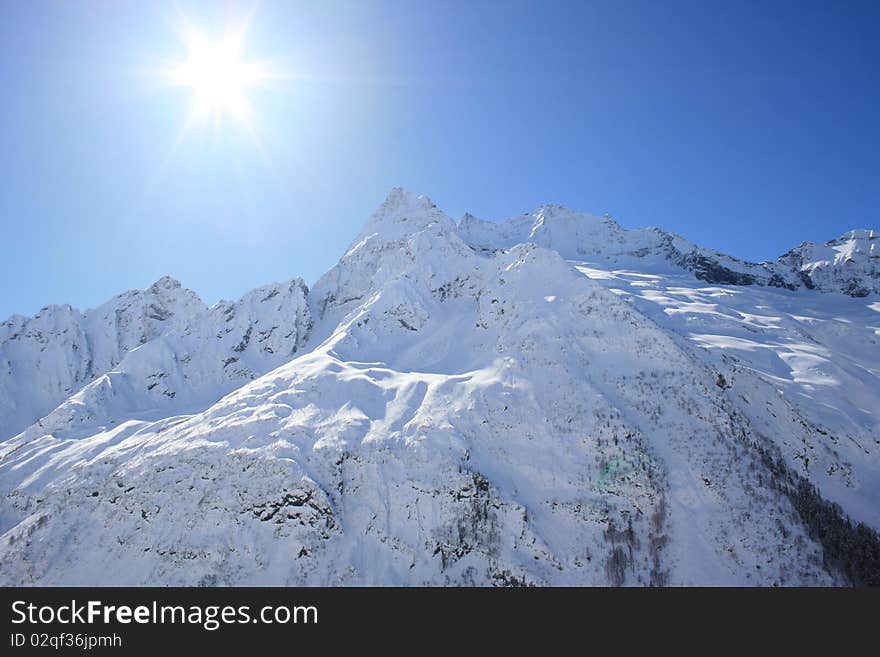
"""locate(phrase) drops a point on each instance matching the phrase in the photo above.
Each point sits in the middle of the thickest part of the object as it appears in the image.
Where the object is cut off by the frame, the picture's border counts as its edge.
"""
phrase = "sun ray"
(216, 72)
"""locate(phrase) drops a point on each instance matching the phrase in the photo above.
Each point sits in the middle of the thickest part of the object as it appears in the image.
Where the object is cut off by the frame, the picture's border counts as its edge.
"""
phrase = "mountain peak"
(401, 202)
(856, 235)
(403, 213)
(165, 283)
(550, 209)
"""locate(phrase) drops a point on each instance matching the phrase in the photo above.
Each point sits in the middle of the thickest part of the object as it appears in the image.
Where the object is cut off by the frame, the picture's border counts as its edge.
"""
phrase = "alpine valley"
(547, 400)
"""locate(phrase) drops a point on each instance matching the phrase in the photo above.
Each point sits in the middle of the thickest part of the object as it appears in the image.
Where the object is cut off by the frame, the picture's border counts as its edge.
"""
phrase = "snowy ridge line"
(849, 264)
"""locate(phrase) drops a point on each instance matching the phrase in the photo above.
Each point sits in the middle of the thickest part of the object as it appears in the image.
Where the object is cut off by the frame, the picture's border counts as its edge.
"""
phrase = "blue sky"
(745, 126)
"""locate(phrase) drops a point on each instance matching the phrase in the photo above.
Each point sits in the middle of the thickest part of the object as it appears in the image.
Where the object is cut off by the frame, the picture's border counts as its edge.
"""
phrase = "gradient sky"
(745, 126)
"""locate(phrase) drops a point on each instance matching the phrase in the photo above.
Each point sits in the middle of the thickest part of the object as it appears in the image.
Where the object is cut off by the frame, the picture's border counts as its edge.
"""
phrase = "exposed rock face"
(549, 400)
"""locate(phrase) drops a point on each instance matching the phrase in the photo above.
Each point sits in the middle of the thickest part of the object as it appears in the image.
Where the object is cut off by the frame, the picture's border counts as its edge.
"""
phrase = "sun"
(217, 76)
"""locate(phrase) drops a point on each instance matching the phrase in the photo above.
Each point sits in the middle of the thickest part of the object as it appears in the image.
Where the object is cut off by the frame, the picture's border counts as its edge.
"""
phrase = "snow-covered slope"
(803, 366)
(549, 400)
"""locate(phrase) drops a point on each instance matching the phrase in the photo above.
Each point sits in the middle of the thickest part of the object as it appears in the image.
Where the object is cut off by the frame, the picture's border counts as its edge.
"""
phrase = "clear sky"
(745, 126)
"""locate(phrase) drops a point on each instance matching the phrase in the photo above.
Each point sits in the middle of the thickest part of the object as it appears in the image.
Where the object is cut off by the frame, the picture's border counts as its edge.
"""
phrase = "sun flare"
(217, 76)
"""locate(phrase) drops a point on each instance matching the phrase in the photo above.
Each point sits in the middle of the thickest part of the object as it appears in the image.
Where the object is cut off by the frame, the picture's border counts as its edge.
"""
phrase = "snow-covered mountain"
(143, 352)
(849, 264)
(552, 399)
(46, 358)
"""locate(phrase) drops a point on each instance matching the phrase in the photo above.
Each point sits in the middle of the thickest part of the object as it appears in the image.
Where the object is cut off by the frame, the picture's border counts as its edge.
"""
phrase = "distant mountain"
(849, 264)
(46, 358)
(549, 400)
